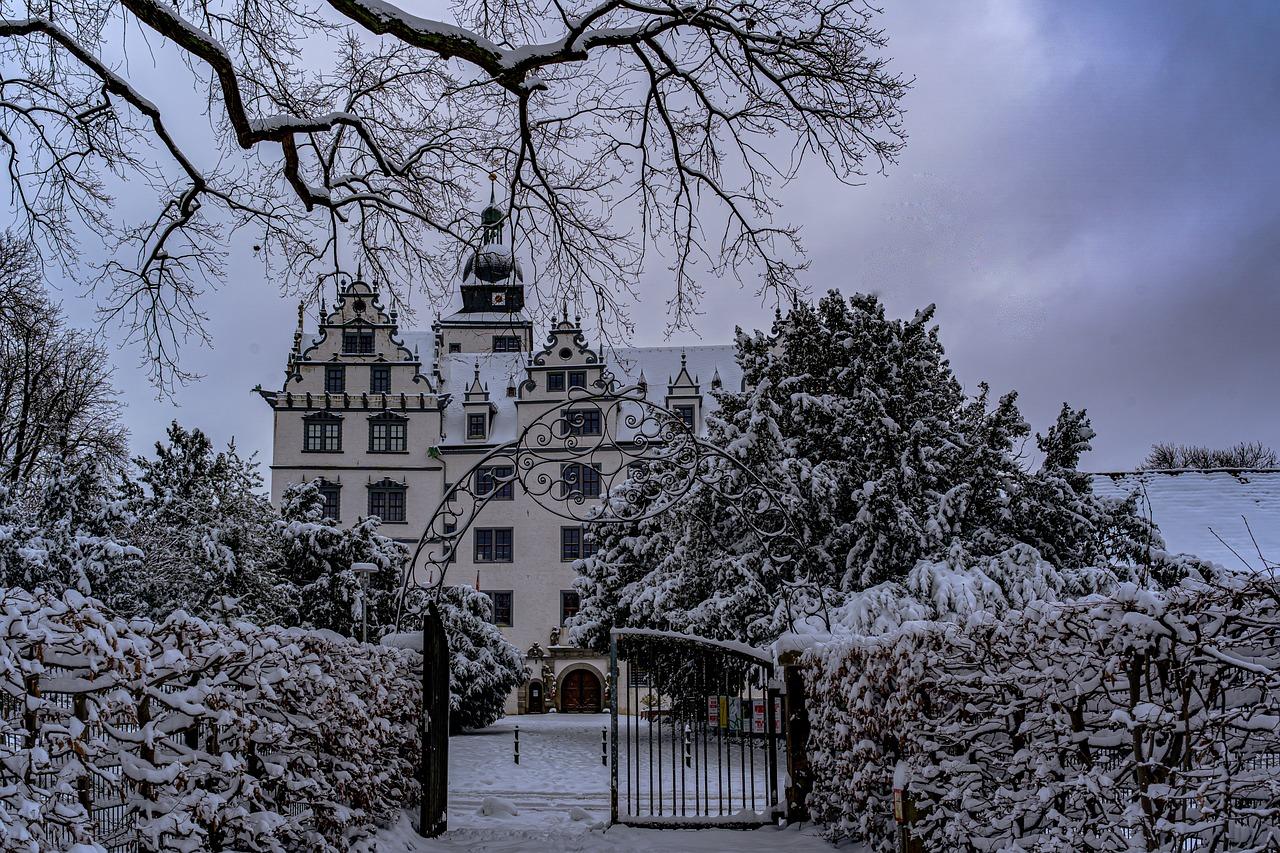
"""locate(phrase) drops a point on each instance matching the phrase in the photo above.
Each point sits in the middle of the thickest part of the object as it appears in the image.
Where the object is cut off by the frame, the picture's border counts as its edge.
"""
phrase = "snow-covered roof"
(498, 370)
(1191, 506)
(488, 318)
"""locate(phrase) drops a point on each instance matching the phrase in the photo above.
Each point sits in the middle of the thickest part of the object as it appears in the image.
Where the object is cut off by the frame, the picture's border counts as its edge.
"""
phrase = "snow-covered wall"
(1191, 506)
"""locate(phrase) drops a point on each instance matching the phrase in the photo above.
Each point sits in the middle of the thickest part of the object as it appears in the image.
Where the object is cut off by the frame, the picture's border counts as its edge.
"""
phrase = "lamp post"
(364, 570)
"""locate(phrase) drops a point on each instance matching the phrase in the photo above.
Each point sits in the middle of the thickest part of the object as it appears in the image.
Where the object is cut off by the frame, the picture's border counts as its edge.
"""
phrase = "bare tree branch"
(355, 127)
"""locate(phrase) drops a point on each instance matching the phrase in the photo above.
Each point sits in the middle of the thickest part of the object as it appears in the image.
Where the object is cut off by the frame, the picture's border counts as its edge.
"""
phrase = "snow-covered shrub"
(1140, 719)
(195, 735)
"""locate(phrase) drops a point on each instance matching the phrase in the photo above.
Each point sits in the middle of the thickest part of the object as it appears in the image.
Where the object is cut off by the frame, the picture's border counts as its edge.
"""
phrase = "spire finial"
(564, 309)
(360, 271)
(493, 184)
(684, 355)
(301, 308)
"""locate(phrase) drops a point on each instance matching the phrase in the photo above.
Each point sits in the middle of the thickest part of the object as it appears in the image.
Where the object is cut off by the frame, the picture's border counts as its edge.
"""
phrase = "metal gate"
(696, 732)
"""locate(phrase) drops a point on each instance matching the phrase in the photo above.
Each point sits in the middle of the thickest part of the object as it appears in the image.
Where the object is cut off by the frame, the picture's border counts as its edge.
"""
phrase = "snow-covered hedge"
(195, 735)
(1136, 720)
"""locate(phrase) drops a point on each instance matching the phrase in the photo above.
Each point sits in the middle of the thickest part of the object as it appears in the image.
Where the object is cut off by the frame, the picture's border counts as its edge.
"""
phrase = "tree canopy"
(857, 423)
(356, 124)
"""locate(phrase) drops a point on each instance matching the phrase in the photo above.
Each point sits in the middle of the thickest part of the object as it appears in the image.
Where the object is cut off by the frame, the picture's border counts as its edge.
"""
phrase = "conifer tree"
(858, 425)
(205, 529)
(316, 556)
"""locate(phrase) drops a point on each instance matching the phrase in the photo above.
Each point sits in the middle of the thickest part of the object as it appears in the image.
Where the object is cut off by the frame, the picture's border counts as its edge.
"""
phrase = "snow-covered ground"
(557, 799)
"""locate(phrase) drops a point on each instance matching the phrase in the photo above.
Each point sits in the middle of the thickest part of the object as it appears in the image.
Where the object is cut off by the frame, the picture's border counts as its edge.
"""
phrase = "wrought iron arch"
(608, 434)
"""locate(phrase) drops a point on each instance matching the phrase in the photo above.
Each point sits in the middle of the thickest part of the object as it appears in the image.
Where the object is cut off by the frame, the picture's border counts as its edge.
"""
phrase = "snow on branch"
(195, 735)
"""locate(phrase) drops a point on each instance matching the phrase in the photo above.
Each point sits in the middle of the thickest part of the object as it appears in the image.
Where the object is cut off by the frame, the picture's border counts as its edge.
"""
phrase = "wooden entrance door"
(535, 697)
(580, 693)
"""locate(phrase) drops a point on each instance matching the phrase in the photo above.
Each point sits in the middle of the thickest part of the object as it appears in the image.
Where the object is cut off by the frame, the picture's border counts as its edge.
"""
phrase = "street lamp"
(364, 570)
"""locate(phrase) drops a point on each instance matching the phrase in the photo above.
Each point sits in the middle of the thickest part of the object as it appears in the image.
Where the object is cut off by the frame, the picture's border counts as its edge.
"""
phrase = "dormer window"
(555, 380)
(388, 433)
(357, 341)
(685, 414)
(477, 426)
(380, 379)
(577, 379)
(506, 343)
(455, 348)
(335, 379)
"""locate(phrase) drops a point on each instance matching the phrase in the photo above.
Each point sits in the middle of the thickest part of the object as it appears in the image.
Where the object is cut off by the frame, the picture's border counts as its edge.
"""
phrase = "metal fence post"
(613, 730)
(796, 730)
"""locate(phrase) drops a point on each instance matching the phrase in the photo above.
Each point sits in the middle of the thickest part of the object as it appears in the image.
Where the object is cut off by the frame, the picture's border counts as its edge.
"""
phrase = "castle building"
(389, 418)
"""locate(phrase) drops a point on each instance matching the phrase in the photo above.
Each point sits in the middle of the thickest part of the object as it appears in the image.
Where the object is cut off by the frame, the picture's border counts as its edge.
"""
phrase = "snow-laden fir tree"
(66, 529)
(205, 528)
(484, 666)
(316, 555)
(857, 423)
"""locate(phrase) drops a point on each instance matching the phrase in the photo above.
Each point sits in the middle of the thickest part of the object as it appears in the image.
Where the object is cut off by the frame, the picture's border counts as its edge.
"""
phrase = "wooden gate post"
(434, 769)
(796, 713)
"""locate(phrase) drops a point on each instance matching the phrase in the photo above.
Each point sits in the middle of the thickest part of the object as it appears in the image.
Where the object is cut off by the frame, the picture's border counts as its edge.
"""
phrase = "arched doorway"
(581, 693)
(535, 704)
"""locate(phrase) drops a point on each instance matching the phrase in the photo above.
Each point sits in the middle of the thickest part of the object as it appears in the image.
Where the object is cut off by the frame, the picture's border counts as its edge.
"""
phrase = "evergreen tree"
(484, 667)
(66, 529)
(856, 422)
(316, 556)
(206, 530)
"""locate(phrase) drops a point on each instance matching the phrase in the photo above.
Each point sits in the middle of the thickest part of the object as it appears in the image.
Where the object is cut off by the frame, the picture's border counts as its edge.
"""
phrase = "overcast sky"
(1089, 193)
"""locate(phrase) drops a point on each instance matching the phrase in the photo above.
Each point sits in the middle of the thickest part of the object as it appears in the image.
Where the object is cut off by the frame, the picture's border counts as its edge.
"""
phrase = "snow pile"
(1139, 716)
(193, 735)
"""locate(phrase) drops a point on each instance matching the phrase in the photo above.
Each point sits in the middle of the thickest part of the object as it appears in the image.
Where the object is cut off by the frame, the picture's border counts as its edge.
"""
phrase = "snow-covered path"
(560, 795)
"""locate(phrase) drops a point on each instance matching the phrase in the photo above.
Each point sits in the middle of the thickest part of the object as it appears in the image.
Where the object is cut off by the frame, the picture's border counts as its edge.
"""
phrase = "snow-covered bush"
(195, 735)
(1139, 719)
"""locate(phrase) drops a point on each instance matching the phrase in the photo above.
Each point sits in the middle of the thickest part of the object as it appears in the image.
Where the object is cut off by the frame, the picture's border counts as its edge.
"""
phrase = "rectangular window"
(388, 435)
(487, 480)
(506, 343)
(578, 480)
(477, 425)
(380, 379)
(335, 378)
(570, 544)
(501, 602)
(493, 545)
(576, 542)
(455, 348)
(332, 495)
(685, 414)
(555, 380)
(387, 504)
(322, 435)
(582, 421)
(577, 379)
(569, 604)
(357, 341)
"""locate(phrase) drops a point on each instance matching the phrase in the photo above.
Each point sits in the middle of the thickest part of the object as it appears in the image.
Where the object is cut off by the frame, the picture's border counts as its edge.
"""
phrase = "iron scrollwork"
(573, 458)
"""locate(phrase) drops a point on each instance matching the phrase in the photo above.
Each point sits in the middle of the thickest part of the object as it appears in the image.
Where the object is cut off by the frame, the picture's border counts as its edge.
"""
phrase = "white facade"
(390, 418)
